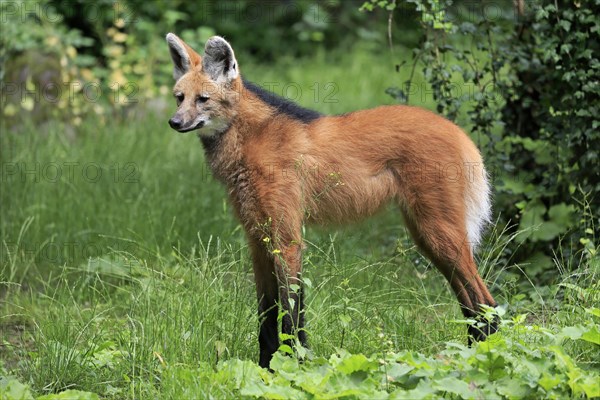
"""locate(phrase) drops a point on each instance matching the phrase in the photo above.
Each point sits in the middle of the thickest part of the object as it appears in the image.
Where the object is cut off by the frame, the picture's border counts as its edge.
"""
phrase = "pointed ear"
(183, 56)
(219, 61)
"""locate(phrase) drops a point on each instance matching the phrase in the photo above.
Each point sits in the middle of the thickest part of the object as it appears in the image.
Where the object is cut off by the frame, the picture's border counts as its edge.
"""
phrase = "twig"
(390, 20)
(412, 73)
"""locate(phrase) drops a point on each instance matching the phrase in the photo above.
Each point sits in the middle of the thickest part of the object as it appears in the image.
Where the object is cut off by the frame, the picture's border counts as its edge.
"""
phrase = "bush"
(533, 109)
(551, 122)
(64, 59)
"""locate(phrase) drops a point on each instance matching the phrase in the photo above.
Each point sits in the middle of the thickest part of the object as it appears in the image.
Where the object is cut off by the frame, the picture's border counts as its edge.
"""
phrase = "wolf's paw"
(482, 328)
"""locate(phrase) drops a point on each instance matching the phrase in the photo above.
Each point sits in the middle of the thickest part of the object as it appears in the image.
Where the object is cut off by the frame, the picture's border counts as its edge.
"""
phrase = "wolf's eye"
(179, 97)
(202, 99)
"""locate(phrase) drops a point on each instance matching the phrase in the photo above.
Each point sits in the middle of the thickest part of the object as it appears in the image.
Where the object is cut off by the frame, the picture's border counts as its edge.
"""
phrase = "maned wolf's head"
(205, 90)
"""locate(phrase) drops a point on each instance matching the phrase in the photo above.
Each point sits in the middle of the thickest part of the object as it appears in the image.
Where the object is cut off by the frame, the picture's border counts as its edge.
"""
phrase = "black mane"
(283, 105)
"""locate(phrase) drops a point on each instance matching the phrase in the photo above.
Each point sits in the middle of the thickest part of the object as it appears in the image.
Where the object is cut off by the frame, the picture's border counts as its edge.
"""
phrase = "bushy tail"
(478, 204)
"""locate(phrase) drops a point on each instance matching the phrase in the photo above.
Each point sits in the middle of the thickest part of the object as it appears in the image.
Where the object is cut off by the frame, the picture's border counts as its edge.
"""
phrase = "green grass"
(128, 276)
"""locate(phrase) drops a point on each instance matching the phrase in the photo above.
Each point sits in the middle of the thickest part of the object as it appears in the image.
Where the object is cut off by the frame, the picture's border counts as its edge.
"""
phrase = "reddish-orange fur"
(282, 172)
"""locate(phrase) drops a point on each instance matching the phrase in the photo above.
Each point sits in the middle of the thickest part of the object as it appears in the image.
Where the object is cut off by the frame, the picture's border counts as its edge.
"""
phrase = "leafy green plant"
(516, 81)
(39, 64)
(530, 363)
(12, 389)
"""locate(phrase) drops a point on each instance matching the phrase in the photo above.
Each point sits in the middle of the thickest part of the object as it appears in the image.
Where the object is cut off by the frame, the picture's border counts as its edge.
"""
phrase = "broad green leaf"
(594, 311)
(71, 395)
(345, 319)
(532, 217)
(533, 214)
(284, 365)
(516, 186)
(514, 388)
(284, 348)
(562, 214)
(572, 332)
(396, 371)
(538, 262)
(273, 391)
(548, 231)
(591, 335)
(286, 336)
(356, 385)
(356, 362)
(314, 379)
(456, 386)
(548, 381)
(591, 386)
(424, 390)
(12, 389)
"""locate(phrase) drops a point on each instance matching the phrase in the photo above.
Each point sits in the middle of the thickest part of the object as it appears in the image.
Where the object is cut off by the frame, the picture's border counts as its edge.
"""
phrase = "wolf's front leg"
(268, 296)
(288, 265)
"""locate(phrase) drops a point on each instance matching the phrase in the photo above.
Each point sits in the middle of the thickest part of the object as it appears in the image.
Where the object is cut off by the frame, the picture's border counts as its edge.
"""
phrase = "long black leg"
(268, 337)
(268, 297)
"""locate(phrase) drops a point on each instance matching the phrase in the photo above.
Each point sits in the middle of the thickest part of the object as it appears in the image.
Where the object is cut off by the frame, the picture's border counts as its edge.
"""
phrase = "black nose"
(175, 123)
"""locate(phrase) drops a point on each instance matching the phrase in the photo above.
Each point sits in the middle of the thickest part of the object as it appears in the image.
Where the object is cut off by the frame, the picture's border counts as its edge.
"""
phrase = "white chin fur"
(213, 126)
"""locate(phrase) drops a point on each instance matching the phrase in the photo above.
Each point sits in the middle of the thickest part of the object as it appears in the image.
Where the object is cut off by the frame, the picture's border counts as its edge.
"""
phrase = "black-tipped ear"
(183, 56)
(219, 61)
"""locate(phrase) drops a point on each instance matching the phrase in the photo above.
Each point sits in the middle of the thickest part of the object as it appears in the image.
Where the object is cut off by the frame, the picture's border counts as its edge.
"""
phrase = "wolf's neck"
(281, 105)
(224, 151)
(256, 109)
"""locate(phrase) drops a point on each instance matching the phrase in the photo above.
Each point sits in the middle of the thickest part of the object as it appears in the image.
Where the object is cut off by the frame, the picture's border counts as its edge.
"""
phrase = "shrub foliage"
(526, 81)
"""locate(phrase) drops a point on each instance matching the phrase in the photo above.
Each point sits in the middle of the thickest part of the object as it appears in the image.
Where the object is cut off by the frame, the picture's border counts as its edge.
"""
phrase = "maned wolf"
(285, 165)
